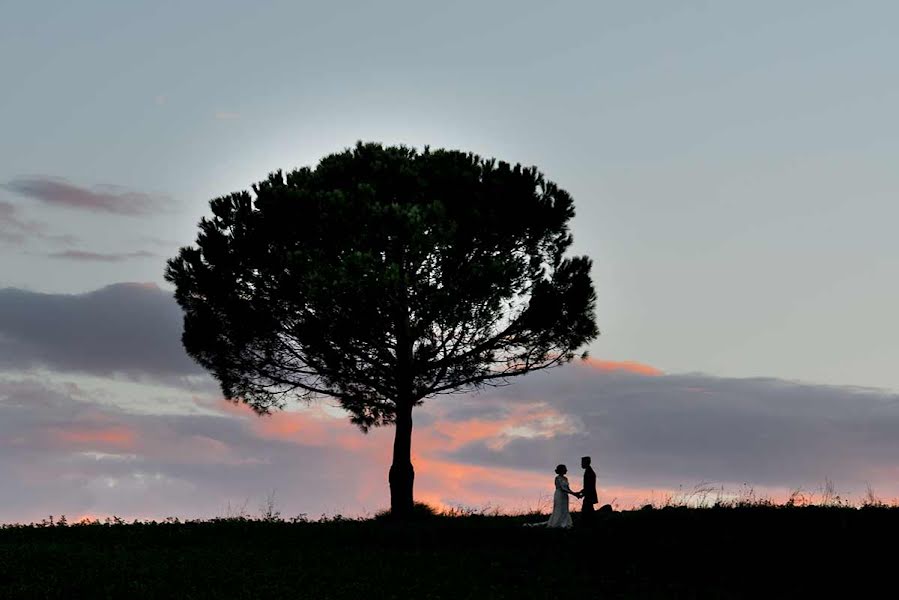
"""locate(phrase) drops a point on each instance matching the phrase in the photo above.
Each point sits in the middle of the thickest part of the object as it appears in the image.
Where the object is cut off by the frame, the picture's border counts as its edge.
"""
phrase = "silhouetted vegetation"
(382, 277)
(749, 551)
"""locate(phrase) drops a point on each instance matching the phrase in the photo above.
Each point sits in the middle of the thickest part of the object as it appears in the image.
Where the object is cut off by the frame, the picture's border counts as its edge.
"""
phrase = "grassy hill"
(676, 552)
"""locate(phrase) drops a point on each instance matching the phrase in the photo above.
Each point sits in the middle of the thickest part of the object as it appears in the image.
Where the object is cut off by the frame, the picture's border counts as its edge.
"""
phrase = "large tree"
(381, 277)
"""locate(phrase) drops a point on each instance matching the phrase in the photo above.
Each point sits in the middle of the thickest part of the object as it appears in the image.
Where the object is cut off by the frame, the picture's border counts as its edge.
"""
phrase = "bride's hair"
(561, 469)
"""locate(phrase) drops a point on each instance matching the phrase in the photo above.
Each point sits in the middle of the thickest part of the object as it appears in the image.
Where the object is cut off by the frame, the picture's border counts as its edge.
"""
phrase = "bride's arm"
(564, 487)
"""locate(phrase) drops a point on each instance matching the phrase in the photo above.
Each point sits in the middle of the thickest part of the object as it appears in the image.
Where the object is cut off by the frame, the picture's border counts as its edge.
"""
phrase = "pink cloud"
(629, 366)
(95, 436)
(647, 435)
(112, 199)
(440, 482)
(15, 230)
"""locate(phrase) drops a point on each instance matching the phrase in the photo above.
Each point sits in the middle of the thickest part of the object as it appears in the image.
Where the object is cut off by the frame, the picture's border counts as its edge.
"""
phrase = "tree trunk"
(402, 474)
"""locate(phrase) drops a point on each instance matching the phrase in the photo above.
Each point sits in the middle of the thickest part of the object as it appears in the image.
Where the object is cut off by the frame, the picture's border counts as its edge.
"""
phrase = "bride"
(560, 517)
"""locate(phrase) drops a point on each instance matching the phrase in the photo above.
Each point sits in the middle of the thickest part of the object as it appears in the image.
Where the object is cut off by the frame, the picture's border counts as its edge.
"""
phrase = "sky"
(732, 166)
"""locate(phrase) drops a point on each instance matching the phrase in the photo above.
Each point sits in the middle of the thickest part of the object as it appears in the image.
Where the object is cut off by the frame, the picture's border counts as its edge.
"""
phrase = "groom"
(588, 493)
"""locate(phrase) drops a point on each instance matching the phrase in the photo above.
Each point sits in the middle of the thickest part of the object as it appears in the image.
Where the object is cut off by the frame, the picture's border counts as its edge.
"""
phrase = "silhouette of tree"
(382, 277)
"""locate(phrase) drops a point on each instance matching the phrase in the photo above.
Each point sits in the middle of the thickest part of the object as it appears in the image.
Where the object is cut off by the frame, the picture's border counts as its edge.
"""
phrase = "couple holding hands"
(561, 517)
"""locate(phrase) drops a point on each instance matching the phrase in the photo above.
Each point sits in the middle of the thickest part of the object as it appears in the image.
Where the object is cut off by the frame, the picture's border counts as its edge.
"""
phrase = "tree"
(382, 277)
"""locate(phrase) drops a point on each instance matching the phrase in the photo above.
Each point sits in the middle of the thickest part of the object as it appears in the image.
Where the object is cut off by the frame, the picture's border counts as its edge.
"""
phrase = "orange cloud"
(88, 517)
(531, 421)
(440, 481)
(444, 484)
(120, 437)
(452, 435)
(310, 426)
(625, 365)
(300, 428)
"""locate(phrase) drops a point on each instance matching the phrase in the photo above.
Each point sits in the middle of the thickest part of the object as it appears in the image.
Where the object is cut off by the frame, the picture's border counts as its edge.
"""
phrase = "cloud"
(648, 432)
(65, 451)
(128, 329)
(12, 228)
(111, 199)
(629, 366)
(671, 430)
(223, 115)
(81, 255)
(15, 230)
(107, 438)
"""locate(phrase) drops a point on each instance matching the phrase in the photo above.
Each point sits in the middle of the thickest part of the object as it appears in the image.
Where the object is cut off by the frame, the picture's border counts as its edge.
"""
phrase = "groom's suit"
(589, 494)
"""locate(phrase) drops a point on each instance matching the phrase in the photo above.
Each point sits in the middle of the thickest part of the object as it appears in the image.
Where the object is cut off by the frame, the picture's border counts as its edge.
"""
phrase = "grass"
(740, 550)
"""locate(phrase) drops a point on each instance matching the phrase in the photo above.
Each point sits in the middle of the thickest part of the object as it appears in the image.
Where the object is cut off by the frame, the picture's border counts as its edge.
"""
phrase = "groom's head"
(585, 462)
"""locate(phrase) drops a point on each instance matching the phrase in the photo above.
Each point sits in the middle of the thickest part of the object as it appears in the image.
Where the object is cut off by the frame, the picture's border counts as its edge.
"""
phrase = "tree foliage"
(381, 277)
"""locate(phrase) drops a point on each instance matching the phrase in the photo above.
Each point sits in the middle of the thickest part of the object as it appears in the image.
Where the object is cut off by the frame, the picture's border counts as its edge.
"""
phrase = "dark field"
(754, 552)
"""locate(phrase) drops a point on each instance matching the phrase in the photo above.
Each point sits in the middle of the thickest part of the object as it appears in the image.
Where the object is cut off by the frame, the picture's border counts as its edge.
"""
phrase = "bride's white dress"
(561, 517)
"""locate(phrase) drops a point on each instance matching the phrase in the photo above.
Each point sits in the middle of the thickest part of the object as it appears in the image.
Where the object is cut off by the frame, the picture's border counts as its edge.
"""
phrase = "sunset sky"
(734, 173)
